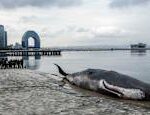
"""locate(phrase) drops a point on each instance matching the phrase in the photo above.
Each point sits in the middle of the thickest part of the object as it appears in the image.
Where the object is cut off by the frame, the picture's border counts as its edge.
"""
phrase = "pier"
(30, 52)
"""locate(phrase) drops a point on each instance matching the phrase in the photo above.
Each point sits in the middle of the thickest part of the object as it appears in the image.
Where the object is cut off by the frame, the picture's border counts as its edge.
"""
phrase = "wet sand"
(25, 92)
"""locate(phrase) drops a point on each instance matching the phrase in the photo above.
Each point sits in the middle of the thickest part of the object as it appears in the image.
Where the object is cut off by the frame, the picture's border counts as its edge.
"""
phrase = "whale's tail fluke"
(61, 71)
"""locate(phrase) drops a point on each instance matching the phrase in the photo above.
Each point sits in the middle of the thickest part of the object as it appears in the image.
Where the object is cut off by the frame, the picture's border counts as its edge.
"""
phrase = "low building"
(17, 46)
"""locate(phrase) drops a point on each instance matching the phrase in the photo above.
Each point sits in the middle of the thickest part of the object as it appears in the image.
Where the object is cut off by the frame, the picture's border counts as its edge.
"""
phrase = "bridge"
(34, 52)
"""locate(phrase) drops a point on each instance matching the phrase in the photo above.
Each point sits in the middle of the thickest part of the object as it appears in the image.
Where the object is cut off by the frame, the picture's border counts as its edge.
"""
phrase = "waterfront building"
(138, 46)
(17, 46)
(3, 38)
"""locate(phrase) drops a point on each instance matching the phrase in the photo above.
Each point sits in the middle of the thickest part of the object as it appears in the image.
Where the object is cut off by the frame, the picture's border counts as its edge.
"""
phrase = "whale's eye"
(90, 72)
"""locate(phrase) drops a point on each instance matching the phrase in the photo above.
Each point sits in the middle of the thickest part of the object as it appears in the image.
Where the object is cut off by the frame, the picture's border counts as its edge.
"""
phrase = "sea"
(133, 63)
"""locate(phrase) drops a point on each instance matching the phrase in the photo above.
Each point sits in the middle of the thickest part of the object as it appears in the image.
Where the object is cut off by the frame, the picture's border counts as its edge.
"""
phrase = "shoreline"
(106, 49)
(25, 92)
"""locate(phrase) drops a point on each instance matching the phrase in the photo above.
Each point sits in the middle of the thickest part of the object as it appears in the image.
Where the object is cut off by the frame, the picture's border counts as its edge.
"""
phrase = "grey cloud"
(106, 32)
(127, 3)
(10, 4)
(82, 30)
(25, 19)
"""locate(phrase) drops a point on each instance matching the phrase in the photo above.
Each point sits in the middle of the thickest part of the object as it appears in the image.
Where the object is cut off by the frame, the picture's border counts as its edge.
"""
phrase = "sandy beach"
(26, 92)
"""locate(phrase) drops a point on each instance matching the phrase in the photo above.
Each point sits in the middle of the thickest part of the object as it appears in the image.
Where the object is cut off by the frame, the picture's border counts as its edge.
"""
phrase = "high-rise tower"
(3, 37)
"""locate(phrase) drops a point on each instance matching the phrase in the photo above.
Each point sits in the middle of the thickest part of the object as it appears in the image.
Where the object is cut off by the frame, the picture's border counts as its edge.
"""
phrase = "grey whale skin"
(109, 83)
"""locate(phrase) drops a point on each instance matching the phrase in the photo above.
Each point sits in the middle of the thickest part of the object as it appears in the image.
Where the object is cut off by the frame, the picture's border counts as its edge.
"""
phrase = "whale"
(110, 83)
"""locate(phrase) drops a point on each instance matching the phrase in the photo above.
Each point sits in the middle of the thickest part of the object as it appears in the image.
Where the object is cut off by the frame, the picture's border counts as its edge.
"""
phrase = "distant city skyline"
(78, 22)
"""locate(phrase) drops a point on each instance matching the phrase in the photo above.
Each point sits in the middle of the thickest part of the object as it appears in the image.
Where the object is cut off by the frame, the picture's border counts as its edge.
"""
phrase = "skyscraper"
(3, 37)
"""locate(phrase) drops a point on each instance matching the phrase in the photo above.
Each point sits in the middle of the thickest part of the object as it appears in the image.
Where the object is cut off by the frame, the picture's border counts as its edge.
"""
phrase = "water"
(135, 64)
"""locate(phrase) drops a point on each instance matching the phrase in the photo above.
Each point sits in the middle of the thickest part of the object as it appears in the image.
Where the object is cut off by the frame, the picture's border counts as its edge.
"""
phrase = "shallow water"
(24, 92)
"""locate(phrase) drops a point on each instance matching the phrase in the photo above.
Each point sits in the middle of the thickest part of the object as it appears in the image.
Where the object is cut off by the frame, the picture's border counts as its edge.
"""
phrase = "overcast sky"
(78, 22)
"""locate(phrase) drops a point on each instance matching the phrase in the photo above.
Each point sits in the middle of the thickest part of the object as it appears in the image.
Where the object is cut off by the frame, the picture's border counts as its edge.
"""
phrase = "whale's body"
(109, 83)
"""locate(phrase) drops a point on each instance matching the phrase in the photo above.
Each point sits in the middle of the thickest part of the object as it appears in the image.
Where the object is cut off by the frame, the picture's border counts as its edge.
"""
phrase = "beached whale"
(109, 83)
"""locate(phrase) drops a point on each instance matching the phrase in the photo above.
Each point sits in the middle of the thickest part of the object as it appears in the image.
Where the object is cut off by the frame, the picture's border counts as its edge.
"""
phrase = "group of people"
(9, 64)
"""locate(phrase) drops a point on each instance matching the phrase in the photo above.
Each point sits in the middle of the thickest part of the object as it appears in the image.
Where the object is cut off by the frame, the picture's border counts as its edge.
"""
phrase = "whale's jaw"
(135, 94)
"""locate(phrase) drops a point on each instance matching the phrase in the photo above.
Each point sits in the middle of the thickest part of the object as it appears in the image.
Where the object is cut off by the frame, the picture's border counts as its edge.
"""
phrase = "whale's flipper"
(121, 92)
(61, 71)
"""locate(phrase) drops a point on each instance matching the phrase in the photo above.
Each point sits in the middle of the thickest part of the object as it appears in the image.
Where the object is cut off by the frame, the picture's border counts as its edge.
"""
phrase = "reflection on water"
(140, 52)
(9, 64)
(32, 63)
(27, 62)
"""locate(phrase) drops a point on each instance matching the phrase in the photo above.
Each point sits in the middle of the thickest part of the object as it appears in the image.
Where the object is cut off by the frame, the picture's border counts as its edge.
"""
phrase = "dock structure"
(30, 52)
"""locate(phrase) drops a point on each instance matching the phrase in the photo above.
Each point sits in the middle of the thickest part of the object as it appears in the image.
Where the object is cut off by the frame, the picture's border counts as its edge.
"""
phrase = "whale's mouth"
(114, 91)
(104, 85)
(125, 93)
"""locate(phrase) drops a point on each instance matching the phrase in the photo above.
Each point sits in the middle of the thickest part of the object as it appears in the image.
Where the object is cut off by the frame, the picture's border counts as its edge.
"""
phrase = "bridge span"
(39, 52)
